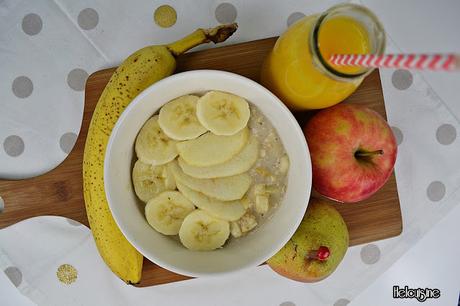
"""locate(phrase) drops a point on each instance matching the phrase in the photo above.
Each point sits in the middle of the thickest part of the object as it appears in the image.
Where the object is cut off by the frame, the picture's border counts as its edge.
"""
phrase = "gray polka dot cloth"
(294, 17)
(88, 19)
(226, 13)
(14, 274)
(370, 254)
(49, 50)
(342, 302)
(32, 24)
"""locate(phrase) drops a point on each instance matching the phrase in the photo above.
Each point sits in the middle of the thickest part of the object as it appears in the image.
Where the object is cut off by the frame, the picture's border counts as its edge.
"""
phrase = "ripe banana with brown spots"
(140, 70)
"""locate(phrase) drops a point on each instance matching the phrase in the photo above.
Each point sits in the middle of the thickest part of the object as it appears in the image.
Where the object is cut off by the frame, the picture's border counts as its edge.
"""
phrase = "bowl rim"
(171, 79)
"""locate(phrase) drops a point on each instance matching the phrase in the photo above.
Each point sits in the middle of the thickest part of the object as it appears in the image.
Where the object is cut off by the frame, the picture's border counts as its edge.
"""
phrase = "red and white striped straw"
(444, 62)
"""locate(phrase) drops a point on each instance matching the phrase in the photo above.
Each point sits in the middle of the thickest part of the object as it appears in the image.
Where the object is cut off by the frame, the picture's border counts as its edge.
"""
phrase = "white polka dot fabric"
(48, 50)
(45, 60)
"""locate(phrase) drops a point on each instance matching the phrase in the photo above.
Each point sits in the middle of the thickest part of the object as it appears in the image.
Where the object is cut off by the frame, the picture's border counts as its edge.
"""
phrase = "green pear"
(316, 248)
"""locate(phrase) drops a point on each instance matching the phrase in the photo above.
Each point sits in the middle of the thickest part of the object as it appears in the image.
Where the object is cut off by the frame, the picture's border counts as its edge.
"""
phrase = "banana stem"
(200, 36)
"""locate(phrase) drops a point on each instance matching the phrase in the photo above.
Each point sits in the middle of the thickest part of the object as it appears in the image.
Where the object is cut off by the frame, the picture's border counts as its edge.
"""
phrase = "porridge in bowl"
(209, 169)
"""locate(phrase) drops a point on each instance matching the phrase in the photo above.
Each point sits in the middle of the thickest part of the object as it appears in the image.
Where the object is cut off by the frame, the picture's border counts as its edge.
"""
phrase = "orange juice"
(343, 35)
(297, 69)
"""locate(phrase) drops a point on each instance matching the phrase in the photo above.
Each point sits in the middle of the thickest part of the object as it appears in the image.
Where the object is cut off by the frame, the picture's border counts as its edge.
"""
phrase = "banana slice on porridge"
(202, 232)
(223, 113)
(153, 146)
(225, 188)
(166, 212)
(149, 180)
(240, 163)
(178, 119)
(228, 210)
(210, 149)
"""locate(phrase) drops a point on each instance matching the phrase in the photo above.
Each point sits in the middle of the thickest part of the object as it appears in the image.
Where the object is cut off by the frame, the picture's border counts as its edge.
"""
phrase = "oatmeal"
(269, 173)
(209, 168)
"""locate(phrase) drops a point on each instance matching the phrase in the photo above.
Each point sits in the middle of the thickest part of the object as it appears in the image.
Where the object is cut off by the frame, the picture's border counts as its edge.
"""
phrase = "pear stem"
(200, 36)
(365, 154)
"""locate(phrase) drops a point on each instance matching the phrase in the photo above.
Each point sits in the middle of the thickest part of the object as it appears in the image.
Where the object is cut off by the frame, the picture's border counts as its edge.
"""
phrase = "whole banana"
(140, 70)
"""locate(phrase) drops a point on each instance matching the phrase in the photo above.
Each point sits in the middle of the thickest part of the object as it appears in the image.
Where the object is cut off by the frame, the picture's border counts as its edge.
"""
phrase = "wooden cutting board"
(59, 192)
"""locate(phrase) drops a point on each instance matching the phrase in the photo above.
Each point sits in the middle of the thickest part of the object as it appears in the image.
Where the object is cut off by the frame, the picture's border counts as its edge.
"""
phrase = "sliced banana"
(262, 204)
(261, 193)
(247, 203)
(153, 146)
(283, 164)
(230, 210)
(202, 232)
(210, 149)
(223, 113)
(170, 181)
(225, 188)
(166, 212)
(149, 180)
(240, 163)
(247, 222)
(259, 189)
(235, 229)
(178, 118)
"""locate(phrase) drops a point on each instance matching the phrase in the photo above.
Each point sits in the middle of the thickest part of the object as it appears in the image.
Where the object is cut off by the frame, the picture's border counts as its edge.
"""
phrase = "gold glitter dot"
(165, 16)
(66, 274)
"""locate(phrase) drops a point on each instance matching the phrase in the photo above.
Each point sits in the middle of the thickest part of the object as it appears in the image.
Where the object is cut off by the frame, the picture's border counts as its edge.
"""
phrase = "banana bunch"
(140, 70)
(203, 146)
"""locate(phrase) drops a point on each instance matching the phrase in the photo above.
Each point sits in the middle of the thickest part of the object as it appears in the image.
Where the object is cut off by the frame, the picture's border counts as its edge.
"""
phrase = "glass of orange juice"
(297, 70)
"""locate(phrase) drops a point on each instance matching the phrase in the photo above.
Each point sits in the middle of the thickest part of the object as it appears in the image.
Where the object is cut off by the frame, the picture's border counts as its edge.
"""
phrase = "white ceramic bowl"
(167, 252)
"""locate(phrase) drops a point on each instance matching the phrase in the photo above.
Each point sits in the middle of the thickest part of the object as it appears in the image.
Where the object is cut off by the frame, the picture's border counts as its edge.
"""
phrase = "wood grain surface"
(59, 192)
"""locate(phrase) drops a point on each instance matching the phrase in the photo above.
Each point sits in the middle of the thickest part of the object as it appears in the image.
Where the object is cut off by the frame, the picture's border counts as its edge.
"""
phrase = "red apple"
(353, 152)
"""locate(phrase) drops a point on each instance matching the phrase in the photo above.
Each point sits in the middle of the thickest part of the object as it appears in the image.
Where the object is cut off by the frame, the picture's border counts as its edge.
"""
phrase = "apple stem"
(321, 254)
(370, 153)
